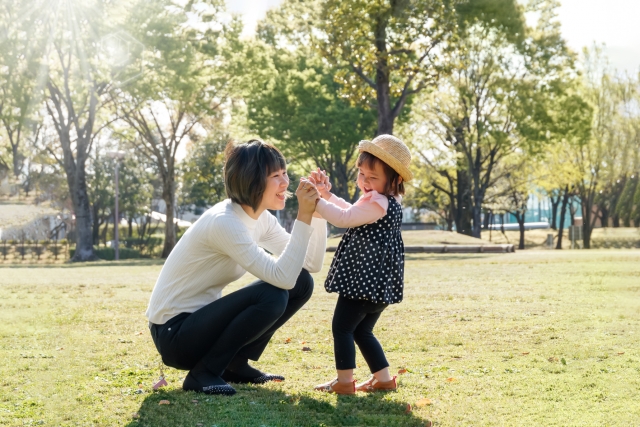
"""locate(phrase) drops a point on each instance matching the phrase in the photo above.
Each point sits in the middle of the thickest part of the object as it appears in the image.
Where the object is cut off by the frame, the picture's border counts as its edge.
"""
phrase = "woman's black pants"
(240, 323)
(353, 320)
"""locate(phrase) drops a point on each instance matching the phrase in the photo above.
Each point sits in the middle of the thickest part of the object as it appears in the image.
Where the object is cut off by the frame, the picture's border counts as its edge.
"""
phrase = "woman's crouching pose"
(193, 326)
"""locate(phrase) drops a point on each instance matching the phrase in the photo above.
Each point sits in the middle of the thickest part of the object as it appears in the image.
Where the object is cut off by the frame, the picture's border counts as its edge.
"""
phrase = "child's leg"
(370, 346)
(346, 319)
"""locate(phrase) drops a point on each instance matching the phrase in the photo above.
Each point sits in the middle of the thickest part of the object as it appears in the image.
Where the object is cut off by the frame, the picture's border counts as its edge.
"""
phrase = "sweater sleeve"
(367, 210)
(234, 240)
(317, 246)
(276, 238)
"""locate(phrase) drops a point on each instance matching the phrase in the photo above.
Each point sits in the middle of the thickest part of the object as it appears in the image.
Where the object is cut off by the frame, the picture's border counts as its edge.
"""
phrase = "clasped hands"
(309, 191)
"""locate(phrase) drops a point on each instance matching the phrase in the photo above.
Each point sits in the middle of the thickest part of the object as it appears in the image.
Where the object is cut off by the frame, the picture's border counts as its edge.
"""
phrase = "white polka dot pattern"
(369, 261)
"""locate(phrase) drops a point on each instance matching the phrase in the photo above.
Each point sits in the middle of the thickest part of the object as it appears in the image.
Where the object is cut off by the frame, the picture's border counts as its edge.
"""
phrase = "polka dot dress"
(369, 262)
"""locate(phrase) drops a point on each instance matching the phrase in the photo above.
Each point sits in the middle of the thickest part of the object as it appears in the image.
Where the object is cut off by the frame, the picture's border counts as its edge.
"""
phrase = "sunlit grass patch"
(528, 338)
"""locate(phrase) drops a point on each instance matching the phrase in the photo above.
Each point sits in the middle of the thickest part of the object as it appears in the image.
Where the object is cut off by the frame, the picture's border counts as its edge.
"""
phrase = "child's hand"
(322, 183)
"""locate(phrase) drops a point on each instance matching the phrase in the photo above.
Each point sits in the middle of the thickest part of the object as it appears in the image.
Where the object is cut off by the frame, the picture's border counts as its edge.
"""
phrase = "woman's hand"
(308, 196)
(322, 183)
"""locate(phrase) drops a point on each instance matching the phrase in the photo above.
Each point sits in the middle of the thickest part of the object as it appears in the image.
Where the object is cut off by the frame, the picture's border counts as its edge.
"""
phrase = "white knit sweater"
(221, 246)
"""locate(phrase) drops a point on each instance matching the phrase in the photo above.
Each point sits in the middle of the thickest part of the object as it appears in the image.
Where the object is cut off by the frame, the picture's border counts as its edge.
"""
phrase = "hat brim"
(394, 163)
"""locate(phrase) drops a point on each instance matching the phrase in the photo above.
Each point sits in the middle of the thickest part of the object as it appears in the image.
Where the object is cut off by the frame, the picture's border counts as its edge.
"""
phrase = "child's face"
(371, 179)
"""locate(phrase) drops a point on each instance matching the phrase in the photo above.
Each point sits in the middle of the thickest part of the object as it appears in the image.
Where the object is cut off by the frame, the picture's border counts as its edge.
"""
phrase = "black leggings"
(353, 320)
(240, 323)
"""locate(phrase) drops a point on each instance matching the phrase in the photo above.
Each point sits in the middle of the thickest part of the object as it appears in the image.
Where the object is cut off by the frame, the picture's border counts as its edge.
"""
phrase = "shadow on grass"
(265, 406)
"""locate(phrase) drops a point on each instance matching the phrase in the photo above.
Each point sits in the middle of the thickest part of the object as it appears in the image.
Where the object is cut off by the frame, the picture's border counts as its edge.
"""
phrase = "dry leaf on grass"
(423, 402)
(135, 415)
(287, 341)
(164, 402)
(620, 353)
(306, 348)
(428, 424)
(524, 353)
(552, 359)
(408, 411)
(402, 371)
(303, 342)
(450, 379)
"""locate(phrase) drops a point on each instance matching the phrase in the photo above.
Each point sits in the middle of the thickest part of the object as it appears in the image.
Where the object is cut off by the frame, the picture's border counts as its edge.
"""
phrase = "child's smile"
(371, 179)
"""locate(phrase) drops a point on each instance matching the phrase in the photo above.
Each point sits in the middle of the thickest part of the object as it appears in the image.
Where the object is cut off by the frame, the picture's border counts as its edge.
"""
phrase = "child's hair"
(393, 186)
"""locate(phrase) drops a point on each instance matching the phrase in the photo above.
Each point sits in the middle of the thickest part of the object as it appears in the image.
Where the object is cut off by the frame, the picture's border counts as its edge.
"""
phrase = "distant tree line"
(494, 108)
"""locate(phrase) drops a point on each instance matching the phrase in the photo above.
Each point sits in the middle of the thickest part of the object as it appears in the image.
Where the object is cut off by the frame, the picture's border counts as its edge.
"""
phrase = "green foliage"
(202, 172)
(301, 108)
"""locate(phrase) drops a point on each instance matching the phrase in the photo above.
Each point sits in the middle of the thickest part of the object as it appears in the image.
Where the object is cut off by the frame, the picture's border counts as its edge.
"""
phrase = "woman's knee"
(275, 299)
(304, 285)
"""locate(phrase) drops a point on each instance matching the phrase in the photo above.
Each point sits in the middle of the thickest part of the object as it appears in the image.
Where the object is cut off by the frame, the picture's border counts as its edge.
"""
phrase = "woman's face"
(371, 179)
(274, 193)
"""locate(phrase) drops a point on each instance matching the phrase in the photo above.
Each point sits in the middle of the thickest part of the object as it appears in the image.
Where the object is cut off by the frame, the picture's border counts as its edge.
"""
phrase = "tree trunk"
(615, 218)
(18, 160)
(563, 213)
(130, 230)
(82, 210)
(477, 221)
(604, 216)
(169, 228)
(95, 225)
(463, 211)
(520, 219)
(587, 206)
(555, 201)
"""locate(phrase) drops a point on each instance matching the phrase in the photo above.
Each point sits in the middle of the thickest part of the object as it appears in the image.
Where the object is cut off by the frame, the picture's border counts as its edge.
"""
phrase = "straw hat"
(392, 151)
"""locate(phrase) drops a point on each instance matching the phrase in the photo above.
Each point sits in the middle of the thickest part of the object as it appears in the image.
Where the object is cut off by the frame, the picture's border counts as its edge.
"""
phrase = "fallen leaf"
(303, 342)
(620, 353)
(524, 353)
(276, 380)
(450, 379)
(408, 411)
(135, 415)
(287, 340)
(552, 359)
(402, 371)
(428, 424)
(160, 383)
(164, 402)
(306, 348)
(138, 333)
(423, 402)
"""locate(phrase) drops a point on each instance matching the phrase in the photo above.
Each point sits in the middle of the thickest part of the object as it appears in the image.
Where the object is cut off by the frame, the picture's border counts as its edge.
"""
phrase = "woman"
(192, 325)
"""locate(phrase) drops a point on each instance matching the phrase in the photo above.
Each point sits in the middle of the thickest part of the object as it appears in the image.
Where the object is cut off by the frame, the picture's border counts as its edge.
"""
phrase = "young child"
(367, 270)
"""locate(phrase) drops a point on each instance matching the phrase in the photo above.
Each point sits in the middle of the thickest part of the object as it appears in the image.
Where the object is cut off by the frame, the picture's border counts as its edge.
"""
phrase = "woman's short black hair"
(246, 169)
(393, 185)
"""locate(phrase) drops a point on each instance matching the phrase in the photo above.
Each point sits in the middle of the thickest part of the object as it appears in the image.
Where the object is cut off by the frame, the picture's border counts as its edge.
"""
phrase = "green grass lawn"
(532, 338)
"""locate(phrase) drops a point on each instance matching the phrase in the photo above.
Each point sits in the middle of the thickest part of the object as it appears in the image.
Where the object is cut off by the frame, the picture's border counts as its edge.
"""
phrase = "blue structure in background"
(539, 211)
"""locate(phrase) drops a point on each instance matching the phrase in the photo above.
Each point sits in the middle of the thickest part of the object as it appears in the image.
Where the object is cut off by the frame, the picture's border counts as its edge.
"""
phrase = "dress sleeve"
(234, 240)
(370, 208)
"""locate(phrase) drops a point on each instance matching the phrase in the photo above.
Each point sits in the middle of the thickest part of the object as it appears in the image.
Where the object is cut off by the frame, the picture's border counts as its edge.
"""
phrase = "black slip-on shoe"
(214, 387)
(232, 377)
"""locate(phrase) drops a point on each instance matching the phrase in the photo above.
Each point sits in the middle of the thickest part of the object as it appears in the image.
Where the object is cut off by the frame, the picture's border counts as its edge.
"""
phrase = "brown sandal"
(372, 384)
(336, 387)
